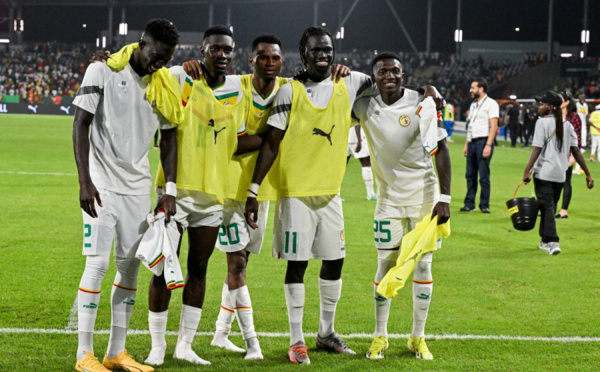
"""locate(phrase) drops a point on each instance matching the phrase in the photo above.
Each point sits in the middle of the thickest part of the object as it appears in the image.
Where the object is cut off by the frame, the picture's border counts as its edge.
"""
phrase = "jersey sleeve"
(359, 109)
(282, 105)
(362, 84)
(493, 110)
(539, 134)
(92, 88)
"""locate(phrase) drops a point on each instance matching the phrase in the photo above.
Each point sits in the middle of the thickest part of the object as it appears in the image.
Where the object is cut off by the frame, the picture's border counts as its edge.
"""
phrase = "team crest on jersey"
(404, 121)
(227, 103)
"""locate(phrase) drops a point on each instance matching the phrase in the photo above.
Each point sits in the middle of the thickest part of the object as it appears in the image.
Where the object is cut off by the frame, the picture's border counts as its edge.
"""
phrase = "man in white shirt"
(482, 125)
(114, 107)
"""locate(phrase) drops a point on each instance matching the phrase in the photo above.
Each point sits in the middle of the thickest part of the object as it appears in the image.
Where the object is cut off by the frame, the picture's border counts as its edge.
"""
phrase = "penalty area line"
(353, 335)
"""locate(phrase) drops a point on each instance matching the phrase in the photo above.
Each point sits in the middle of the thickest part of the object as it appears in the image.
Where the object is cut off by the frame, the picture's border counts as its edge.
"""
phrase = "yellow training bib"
(312, 154)
(206, 141)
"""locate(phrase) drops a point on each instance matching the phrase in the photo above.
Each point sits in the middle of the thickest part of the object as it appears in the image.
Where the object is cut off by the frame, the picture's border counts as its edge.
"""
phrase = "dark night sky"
(371, 25)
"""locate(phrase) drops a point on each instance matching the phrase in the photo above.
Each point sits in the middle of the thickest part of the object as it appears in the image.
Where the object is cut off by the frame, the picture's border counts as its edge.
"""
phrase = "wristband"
(445, 198)
(253, 190)
(171, 189)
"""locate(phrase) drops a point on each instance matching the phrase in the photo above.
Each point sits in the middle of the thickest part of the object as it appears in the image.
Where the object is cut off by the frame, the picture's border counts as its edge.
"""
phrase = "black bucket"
(523, 211)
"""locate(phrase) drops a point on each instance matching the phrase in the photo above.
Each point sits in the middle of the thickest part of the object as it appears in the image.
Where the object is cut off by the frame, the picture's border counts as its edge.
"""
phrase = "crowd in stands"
(44, 72)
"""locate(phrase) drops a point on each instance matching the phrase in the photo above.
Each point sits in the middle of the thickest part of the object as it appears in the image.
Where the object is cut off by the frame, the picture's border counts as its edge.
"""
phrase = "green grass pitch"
(499, 303)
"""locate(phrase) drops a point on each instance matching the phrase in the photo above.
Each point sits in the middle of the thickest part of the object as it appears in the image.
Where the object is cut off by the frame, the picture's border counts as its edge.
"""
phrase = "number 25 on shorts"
(382, 231)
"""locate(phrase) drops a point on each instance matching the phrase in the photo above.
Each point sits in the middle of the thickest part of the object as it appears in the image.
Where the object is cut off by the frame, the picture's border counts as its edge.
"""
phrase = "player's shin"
(294, 298)
(122, 301)
(157, 323)
(226, 316)
(422, 290)
(330, 292)
(88, 300)
(240, 298)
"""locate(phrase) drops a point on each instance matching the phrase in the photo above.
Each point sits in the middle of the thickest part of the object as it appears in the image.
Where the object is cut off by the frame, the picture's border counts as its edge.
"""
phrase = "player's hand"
(339, 71)
(88, 195)
(526, 177)
(251, 212)
(487, 151)
(168, 205)
(193, 68)
(100, 56)
(590, 181)
(431, 92)
(442, 211)
(301, 75)
(358, 146)
(465, 150)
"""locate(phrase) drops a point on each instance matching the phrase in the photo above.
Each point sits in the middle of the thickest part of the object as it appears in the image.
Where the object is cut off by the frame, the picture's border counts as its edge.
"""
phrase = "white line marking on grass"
(38, 173)
(353, 335)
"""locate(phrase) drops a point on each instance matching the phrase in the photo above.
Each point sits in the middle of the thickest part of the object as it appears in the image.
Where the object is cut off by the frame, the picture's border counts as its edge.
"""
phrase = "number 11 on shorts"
(287, 242)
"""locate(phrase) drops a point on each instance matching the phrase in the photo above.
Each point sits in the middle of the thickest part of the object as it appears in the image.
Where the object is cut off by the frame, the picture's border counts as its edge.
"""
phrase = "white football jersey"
(403, 169)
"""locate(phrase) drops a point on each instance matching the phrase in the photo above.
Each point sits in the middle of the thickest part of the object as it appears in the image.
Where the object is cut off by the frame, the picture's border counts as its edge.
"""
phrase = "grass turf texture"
(489, 278)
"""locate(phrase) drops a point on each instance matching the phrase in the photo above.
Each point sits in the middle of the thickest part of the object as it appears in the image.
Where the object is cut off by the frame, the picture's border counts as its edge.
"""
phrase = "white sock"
(367, 175)
(88, 300)
(240, 298)
(382, 312)
(122, 300)
(226, 315)
(386, 259)
(294, 298)
(157, 323)
(188, 325)
(422, 290)
(330, 292)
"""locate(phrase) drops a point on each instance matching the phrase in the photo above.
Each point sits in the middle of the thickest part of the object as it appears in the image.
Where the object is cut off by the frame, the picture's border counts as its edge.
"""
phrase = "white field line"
(353, 335)
(38, 173)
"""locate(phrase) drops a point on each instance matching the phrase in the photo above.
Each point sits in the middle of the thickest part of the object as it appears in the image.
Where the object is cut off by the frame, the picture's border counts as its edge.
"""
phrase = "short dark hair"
(481, 83)
(265, 38)
(385, 55)
(162, 30)
(313, 31)
(217, 30)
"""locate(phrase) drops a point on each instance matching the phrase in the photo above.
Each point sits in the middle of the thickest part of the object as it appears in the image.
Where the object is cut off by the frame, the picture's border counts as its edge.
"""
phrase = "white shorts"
(392, 223)
(352, 140)
(234, 232)
(122, 218)
(196, 208)
(309, 227)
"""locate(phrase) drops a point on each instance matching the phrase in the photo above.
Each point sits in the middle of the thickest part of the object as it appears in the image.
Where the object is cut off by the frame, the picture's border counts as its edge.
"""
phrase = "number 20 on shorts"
(382, 231)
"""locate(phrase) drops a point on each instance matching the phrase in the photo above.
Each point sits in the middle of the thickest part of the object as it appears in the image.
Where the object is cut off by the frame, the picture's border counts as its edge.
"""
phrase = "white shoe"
(544, 246)
(226, 344)
(553, 248)
(156, 356)
(189, 355)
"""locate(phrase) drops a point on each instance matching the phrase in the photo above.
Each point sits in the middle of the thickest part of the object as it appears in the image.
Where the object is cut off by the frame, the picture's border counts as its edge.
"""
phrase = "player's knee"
(295, 271)
(95, 267)
(198, 268)
(236, 263)
(332, 270)
(128, 268)
(423, 271)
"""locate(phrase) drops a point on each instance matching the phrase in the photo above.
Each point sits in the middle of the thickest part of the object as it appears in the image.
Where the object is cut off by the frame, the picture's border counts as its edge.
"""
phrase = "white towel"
(428, 125)
(158, 250)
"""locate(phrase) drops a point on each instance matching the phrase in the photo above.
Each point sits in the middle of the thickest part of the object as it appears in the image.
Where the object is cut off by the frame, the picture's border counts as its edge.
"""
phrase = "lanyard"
(478, 108)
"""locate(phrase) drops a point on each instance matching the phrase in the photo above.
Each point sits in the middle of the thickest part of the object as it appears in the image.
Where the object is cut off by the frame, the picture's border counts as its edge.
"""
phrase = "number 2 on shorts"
(379, 228)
